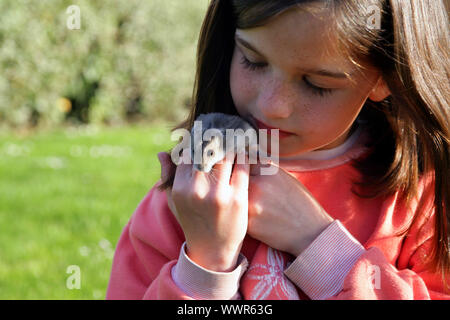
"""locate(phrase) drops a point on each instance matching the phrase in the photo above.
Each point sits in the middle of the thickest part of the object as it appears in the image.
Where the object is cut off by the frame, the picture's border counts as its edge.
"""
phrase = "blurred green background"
(83, 113)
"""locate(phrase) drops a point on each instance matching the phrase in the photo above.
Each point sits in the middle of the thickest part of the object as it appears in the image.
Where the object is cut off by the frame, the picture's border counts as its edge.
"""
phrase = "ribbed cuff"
(321, 268)
(201, 283)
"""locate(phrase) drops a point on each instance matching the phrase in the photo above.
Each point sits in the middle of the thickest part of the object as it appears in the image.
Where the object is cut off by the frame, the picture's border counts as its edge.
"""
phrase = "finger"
(170, 202)
(241, 175)
(167, 166)
(224, 169)
(183, 170)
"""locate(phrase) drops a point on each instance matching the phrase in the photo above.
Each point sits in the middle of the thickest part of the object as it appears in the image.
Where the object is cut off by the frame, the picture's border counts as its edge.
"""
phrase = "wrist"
(307, 238)
(213, 260)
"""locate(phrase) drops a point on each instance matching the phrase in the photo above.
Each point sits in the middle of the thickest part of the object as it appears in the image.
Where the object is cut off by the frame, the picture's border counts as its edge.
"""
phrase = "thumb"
(166, 165)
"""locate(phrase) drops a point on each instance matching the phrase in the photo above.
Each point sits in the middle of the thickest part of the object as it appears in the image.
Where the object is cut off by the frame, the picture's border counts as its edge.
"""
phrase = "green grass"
(65, 196)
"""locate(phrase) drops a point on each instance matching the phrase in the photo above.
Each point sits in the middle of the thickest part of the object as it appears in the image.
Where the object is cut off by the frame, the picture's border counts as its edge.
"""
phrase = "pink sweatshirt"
(359, 256)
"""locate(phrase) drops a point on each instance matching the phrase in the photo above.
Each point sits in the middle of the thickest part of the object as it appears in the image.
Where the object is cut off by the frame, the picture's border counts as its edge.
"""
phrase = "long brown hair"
(410, 128)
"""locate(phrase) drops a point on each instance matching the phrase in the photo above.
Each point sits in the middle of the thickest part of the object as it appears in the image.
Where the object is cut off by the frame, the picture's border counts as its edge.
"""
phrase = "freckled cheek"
(242, 85)
(318, 119)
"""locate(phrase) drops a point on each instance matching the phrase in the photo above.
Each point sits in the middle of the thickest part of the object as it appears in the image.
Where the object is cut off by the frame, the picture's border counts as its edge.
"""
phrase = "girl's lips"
(262, 125)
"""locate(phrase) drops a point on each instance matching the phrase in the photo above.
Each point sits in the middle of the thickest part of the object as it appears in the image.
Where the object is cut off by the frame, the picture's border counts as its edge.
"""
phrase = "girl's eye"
(317, 90)
(252, 66)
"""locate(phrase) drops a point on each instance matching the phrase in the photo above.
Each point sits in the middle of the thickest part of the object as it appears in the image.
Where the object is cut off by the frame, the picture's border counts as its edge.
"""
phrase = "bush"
(130, 59)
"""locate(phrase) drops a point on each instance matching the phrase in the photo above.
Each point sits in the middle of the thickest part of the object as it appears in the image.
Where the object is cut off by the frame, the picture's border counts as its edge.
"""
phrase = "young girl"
(359, 90)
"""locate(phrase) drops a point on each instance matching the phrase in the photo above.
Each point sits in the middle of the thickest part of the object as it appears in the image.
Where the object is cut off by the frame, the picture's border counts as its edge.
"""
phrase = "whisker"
(208, 178)
(213, 175)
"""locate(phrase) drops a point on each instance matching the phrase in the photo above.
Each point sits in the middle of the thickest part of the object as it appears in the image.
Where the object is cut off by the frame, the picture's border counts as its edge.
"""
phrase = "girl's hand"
(282, 212)
(212, 211)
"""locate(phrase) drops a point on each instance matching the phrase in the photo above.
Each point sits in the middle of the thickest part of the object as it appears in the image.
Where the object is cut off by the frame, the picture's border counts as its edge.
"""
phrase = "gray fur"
(221, 122)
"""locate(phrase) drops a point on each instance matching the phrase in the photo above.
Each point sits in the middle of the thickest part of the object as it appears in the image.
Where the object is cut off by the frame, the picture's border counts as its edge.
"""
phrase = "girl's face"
(286, 75)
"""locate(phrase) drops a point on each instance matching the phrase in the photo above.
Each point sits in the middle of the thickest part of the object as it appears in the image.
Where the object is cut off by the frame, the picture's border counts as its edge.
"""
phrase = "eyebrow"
(320, 72)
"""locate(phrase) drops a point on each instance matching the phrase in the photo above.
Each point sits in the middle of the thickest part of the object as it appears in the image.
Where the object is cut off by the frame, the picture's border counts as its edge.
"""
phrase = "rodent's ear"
(380, 91)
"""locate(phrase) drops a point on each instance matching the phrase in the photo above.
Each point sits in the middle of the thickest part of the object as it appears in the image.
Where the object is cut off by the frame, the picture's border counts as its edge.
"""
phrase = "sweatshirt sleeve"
(130, 278)
(204, 284)
(337, 267)
(150, 261)
(146, 252)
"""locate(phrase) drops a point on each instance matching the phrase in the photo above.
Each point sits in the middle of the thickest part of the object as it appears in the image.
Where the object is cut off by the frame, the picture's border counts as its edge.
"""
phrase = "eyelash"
(257, 66)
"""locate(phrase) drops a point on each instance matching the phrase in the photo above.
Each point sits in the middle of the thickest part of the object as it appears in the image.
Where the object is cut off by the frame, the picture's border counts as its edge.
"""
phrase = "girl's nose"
(277, 100)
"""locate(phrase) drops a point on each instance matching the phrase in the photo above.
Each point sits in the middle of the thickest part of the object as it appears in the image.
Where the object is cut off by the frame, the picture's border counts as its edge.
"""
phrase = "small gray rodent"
(214, 150)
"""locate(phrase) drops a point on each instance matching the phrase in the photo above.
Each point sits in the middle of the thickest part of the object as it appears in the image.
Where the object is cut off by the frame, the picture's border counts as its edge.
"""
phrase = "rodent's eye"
(210, 153)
